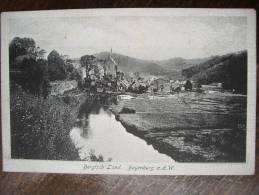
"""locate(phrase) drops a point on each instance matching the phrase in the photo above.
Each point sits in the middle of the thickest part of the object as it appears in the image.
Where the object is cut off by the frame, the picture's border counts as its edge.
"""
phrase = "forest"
(230, 70)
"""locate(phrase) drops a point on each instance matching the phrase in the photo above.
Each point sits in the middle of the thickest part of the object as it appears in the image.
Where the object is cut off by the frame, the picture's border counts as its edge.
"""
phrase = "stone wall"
(59, 87)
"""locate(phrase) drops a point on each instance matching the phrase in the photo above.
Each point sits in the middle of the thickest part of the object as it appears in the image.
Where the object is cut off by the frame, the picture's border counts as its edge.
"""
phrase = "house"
(104, 75)
(123, 85)
(213, 87)
(159, 84)
(97, 72)
(110, 67)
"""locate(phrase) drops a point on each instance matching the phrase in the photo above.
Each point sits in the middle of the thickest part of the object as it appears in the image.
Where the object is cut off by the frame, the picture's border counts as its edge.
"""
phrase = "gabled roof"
(111, 58)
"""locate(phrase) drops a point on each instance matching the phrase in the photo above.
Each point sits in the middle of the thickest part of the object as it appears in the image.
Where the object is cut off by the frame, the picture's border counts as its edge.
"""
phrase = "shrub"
(40, 127)
(126, 110)
(56, 67)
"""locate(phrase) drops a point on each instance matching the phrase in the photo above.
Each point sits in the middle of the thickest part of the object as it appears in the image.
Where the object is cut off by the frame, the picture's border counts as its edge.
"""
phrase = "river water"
(187, 127)
(100, 137)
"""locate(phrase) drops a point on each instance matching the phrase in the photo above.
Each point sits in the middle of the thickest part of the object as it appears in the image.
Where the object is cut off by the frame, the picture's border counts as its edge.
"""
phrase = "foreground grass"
(40, 127)
(190, 128)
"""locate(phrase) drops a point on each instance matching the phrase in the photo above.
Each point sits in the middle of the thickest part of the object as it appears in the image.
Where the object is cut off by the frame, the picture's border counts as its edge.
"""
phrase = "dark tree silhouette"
(230, 70)
(56, 66)
(28, 67)
(88, 61)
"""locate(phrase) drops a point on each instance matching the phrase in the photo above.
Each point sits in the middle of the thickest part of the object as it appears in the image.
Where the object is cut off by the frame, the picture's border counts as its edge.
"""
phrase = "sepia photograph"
(121, 90)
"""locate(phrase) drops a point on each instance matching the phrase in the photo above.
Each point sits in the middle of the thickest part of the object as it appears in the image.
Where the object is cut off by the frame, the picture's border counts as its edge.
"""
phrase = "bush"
(66, 99)
(56, 67)
(27, 66)
(126, 110)
(40, 127)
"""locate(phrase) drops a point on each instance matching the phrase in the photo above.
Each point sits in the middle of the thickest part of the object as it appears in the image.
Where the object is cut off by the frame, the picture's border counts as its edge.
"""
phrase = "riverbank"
(191, 127)
(104, 139)
(40, 127)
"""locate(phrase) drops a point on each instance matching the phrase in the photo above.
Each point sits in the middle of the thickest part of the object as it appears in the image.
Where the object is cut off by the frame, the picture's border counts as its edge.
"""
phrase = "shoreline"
(160, 147)
(173, 152)
(40, 127)
(195, 137)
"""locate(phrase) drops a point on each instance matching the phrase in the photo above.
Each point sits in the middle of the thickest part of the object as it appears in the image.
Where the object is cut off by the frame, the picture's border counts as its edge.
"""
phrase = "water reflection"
(99, 136)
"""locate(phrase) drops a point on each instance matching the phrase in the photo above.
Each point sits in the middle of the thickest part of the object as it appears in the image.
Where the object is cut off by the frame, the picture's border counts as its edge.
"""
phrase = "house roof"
(160, 79)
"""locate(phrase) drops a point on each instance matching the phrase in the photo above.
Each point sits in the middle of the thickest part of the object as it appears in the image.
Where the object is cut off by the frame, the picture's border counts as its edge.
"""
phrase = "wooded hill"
(130, 65)
(170, 68)
(229, 69)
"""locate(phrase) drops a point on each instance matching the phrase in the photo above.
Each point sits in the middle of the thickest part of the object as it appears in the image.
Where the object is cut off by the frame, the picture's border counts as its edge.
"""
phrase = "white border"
(53, 166)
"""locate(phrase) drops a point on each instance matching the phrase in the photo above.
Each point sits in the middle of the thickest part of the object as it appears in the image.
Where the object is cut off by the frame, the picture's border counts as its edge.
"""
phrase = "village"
(104, 76)
(98, 92)
(174, 115)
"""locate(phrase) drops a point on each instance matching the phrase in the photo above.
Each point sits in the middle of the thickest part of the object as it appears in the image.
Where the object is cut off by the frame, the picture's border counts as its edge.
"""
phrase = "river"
(185, 127)
(100, 137)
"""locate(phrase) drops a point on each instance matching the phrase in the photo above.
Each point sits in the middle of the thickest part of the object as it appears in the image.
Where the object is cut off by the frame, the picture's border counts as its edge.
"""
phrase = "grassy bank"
(192, 128)
(40, 127)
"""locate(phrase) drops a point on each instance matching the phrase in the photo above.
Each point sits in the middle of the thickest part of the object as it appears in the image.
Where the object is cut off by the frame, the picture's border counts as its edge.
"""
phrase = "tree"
(40, 53)
(21, 46)
(72, 72)
(27, 66)
(230, 70)
(35, 72)
(88, 62)
(32, 74)
(56, 66)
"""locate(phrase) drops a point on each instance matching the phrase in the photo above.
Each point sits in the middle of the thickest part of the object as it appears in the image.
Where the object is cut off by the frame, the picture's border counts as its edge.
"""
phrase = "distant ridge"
(173, 68)
(129, 64)
(229, 69)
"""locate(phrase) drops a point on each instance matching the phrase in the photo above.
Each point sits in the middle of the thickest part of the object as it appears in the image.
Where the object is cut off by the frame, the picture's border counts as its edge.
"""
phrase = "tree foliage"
(88, 62)
(230, 70)
(56, 66)
(27, 64)
(22, 46)
(72, 72)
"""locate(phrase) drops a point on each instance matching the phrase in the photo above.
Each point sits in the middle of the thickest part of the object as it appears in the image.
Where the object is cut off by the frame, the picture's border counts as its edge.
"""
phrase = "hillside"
(170, 68)
(229, 69)
(177, 64)
(129, 64)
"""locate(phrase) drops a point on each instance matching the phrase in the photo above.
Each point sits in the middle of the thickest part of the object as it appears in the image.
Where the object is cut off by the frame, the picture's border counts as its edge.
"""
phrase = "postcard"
(129, 91)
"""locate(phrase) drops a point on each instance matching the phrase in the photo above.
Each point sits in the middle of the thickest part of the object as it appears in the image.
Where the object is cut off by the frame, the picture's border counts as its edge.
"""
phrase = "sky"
(144, 37)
